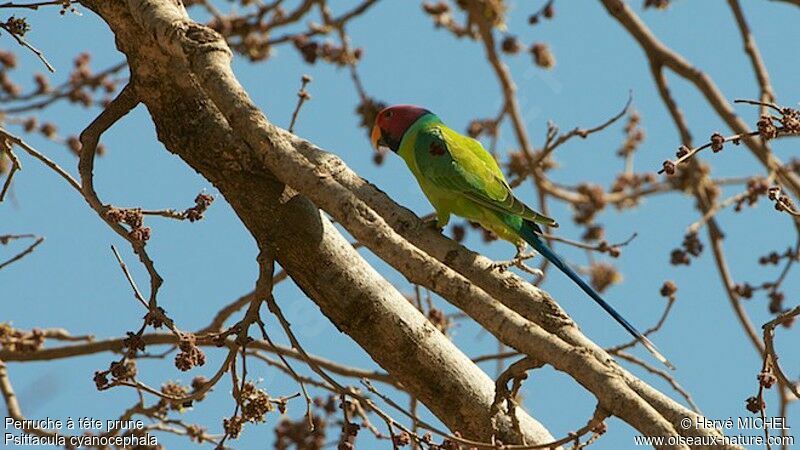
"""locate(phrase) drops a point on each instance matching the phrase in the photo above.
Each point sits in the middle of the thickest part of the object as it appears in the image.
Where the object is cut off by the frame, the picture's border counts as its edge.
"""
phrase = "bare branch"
(22, 254)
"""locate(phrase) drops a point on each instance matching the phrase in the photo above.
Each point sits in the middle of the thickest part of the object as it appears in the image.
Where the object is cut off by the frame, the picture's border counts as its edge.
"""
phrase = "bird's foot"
(519, 262)
(432, 223)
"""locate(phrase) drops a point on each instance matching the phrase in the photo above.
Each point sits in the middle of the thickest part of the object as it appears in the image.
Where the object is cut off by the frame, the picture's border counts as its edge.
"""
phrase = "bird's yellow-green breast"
(457, 175)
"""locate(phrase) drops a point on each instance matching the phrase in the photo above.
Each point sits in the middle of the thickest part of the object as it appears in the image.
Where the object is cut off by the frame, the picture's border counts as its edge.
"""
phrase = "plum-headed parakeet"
(460, 177)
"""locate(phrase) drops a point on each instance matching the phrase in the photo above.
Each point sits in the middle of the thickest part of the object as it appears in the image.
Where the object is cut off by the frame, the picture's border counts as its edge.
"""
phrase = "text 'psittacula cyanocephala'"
(460, 177)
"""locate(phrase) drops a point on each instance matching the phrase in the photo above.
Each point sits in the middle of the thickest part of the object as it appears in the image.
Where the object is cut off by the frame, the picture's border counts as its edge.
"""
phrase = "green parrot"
(460, 177)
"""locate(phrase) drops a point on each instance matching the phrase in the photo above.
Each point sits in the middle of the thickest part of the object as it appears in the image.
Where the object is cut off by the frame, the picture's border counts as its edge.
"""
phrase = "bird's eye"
(387, 114)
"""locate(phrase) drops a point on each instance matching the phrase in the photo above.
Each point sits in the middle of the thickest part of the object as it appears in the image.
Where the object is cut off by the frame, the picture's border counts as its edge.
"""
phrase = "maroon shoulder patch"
(436, 149)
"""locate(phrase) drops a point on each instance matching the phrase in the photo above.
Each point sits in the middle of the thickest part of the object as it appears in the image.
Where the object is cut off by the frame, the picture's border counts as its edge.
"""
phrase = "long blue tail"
(530, 232)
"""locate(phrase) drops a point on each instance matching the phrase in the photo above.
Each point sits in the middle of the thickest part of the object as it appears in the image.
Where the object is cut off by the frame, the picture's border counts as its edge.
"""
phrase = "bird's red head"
(392, 123)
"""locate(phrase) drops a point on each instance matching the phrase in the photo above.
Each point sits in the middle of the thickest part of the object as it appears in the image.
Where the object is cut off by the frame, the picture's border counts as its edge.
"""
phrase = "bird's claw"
(519, 262)
(501, 266)
(432, 224)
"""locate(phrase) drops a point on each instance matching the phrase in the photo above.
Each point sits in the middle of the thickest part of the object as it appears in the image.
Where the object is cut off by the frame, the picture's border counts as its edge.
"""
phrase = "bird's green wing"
(459, 163)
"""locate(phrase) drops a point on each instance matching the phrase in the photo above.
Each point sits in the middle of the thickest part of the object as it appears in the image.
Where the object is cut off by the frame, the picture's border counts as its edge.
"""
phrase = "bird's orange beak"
(376, 136)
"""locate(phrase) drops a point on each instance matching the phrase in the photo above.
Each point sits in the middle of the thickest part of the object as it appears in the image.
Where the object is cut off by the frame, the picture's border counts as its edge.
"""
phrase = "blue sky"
(72, 281)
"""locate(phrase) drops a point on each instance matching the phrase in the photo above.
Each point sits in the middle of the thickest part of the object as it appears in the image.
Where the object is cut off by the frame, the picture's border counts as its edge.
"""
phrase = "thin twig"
(553, 143)
(264, 285)
(15, 166)
(136, 292)
(750, 47)
(769, 346)
(33, 6)
(30, 47)
(663, 374)
(23, 253)
(602, 247)
(667, 309)
(36, 154)
(302, 97)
